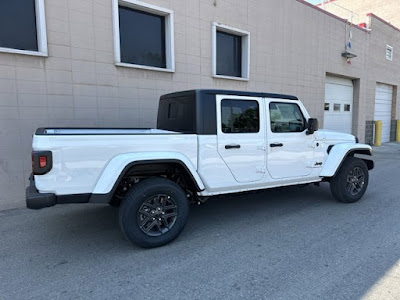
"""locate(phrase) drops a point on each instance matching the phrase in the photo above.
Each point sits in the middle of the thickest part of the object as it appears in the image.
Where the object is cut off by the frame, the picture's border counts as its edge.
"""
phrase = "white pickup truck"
(207, 143)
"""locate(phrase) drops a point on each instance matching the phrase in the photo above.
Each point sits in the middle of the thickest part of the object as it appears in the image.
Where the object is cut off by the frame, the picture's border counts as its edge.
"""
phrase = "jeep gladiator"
(207, 143)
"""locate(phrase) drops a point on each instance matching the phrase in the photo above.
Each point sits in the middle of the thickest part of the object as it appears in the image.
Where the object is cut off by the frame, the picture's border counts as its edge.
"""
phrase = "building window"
(231, 52)
(389, 52)
(240, 116)
(143, 36)
(23, 27)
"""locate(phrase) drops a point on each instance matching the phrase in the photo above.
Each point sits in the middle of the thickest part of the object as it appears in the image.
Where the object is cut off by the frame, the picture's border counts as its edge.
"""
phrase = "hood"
(324, 134)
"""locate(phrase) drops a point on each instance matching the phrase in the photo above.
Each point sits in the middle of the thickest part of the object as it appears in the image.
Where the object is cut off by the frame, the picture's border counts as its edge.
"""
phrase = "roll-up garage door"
(383, 108)
(338, 114)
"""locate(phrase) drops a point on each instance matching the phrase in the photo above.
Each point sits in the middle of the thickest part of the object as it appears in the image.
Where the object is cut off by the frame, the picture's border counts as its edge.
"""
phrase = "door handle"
(232, 146)
(273, 145)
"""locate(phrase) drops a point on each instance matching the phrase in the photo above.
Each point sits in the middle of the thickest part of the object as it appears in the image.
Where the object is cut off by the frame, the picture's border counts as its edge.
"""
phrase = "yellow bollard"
(378, 133)
(398, 131)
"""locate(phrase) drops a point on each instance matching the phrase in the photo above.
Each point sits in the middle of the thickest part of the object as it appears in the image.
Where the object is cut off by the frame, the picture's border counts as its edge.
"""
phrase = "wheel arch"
(126, 165)
(338, 154)
(368, 162)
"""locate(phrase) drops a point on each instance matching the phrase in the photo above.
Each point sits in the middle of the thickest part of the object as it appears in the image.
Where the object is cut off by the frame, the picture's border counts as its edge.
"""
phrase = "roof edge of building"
(383, 21)
(331, 15)
(325, 2)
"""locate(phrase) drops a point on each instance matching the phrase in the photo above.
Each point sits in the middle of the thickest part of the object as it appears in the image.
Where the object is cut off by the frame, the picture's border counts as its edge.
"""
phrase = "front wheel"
(153, 212)
(351, 181)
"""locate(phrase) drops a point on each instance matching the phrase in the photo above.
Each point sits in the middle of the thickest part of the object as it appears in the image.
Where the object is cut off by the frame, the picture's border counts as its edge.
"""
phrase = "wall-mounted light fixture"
(348, 55)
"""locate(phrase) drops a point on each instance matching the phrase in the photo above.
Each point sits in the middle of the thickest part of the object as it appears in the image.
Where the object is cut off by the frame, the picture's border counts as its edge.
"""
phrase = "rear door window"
(240, 116)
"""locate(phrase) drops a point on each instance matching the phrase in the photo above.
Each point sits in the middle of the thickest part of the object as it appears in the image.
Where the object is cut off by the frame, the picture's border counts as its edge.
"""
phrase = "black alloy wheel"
(355, 181)
(351, 181)
(157, 215)
(153, 212)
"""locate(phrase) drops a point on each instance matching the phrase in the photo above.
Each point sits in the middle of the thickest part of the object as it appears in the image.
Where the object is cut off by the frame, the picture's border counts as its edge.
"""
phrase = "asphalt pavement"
(292, 243)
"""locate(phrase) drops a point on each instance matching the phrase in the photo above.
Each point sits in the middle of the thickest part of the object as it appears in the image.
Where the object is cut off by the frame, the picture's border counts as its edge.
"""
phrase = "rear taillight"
(42, 162)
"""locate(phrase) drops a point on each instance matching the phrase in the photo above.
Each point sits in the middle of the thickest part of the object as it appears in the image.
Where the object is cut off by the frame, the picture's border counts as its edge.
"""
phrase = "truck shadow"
(86, 223)
(263, 205)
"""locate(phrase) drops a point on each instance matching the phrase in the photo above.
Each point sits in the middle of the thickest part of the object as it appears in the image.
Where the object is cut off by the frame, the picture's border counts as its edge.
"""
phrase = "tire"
(351, 181)
(114, 204)
(153, 212)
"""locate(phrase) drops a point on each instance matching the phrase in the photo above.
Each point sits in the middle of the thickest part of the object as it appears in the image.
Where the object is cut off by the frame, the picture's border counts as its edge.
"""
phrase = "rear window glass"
(177, 114)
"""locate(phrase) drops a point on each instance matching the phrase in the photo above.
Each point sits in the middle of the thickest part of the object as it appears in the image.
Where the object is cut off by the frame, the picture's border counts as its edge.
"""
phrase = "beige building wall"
(385, 9)
(293, 47)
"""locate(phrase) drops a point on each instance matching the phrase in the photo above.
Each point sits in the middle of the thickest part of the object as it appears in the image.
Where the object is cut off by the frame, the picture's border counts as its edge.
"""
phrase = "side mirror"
(312, 126)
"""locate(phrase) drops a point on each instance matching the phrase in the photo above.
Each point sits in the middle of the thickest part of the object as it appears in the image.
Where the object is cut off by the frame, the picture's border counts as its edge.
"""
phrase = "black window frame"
(163, 63)
(244, 101)
(301, 112)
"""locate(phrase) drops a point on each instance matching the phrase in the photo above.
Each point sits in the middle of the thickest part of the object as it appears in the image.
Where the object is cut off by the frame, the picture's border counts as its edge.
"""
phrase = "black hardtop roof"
(200, 92)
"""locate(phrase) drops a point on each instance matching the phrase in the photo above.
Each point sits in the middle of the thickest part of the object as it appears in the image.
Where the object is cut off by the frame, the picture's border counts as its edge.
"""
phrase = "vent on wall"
(389, 52)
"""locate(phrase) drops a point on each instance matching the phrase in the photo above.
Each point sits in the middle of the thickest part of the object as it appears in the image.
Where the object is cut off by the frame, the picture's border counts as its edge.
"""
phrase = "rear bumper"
(36, 200)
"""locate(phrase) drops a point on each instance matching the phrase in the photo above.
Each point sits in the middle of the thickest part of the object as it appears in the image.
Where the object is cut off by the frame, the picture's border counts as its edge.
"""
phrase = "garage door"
(383, 108)
(338, 114)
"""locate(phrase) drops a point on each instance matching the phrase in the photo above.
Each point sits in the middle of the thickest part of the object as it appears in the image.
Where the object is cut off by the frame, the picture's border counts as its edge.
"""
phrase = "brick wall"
(393, 130)
(369, 132)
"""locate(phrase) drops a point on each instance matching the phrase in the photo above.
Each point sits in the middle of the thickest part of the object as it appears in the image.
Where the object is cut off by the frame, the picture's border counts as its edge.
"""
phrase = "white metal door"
(383, 108)
(338, 114)
(241, 136)
(290, 149)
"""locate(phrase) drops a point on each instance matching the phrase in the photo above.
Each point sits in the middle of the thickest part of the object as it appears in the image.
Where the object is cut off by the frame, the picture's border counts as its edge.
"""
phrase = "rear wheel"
(153, 212)
(351, 181)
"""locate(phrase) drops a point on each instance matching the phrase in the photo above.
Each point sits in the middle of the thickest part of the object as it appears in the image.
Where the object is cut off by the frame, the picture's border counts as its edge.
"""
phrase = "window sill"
(231, 77)
(23, 52)
(144, 67)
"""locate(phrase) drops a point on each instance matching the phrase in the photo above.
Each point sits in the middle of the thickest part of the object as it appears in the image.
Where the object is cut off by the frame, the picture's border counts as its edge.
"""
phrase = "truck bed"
(80, 155)
(101, 131)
